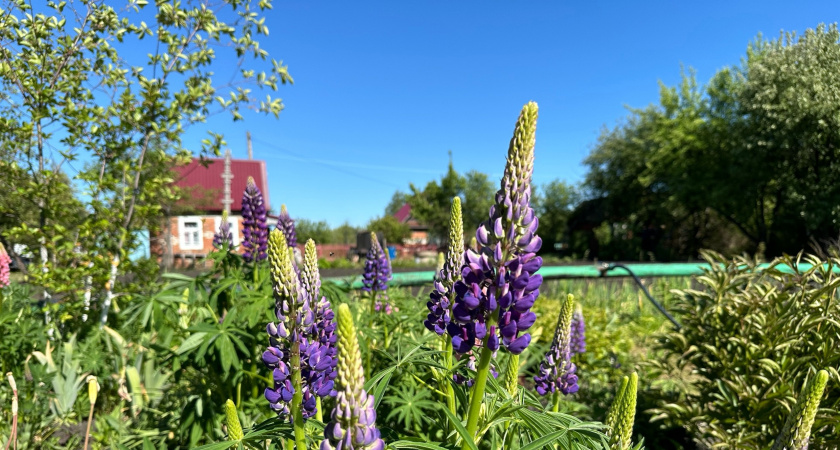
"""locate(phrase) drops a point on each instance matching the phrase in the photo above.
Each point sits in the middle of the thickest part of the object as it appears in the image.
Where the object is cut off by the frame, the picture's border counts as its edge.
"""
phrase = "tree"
(554, 206)
(744, 163)
(319, 231)
(476, 200)
(399, 199)
(394, 231)
(75, 91)
(431, 205)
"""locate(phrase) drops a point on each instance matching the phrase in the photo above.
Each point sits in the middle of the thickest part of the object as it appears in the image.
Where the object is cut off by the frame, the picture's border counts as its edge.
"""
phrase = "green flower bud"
(93, 389)
(283, 276)
(351, 375)
(511, 380)
(622, 414)
(797, 430)
(309, 276)
(232, 419)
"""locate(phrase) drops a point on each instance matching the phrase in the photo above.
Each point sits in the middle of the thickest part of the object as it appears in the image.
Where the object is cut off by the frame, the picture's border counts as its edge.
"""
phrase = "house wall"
(186, 252)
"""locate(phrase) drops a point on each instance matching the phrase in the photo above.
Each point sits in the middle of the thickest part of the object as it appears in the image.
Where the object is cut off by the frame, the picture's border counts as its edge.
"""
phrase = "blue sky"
(383, 90)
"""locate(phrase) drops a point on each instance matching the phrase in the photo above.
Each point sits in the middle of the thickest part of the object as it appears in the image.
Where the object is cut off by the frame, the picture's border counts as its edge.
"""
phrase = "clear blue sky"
(384, 89)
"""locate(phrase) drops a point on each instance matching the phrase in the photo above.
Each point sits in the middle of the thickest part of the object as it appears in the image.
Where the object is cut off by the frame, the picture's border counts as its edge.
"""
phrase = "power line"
(290, 155)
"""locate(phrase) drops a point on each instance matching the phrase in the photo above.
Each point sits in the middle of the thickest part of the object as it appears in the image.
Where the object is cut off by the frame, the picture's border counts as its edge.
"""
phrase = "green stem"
(319, 415)
(477, 394)
(297, 398)
(555, 401)
(447, 385)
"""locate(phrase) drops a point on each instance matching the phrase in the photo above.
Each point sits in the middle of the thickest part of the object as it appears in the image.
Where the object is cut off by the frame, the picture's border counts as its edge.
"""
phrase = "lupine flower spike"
(353, 421)
(557, 371)
(223, 237)
(287, 225)
(5, 263)
(234, 427)
(622, 414)
(578, 342)
(254, 226)
(440, 304)
(797, 430)
(493, 300)
(376, 276)
(301, 364)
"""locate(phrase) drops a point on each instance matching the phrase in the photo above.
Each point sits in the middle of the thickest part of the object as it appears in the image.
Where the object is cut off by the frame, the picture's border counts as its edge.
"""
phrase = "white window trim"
(233, 221)
(182, 220)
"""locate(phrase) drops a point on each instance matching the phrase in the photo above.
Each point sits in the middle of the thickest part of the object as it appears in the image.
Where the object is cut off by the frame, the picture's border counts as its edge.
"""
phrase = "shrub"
(753, 336)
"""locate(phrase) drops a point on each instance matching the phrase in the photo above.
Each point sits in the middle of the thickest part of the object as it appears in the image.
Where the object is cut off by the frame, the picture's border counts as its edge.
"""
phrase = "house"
(206, 187)
(419, 232)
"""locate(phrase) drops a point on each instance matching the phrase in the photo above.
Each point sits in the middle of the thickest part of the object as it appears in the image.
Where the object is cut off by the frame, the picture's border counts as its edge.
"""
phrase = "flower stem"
(447, 385)
(477, 394)
(319, 414)
(297, 398)
(555, 401)
(87, 433)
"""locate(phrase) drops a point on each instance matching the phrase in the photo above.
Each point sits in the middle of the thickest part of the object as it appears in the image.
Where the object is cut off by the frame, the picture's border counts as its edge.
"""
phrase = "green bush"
(752, 337)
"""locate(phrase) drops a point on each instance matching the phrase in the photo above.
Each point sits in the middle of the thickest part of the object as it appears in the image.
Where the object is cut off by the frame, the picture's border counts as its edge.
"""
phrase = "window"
(190, 233)
(234, 227)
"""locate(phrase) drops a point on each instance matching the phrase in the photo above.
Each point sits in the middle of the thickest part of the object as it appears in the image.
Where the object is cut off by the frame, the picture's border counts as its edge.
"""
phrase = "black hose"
(608, 267)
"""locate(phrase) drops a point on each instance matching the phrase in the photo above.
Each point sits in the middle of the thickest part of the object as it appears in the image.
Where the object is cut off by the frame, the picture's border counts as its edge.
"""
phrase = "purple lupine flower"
(557, 371)
(223, 236)
(287, 225)
(352, 424)
(254, 226)
(440, 303)
(578, 339)
(377, 274)
(499, 284)
(5, 267)
(299, 327)
(322, 329)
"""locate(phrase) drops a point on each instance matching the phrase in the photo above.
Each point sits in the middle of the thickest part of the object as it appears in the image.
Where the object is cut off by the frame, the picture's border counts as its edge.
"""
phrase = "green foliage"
(115, 88)
(742, 163)
(390, 228)
(750, 338)
(430, 205)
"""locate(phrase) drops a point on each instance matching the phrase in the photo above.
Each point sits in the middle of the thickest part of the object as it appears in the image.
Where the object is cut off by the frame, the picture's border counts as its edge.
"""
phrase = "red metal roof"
(195, 175)
(404, 213)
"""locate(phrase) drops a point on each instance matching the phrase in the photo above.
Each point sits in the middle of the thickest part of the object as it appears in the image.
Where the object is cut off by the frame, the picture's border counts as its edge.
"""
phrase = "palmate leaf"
(410, 406)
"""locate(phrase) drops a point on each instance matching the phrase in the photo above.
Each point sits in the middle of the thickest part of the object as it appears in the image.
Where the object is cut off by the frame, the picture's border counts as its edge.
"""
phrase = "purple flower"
(254, 226)
(300, 329)
(377, 274)
(223, 237)
(441, 298)
(578, 339)
(287, 225)
(557, 371)
(499, 283)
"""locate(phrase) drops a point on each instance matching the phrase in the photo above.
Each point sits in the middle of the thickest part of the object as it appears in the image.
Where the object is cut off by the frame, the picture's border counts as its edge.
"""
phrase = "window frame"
(182, 228)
